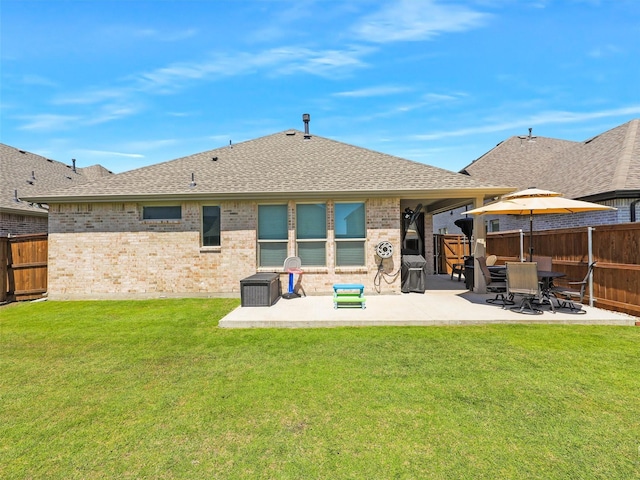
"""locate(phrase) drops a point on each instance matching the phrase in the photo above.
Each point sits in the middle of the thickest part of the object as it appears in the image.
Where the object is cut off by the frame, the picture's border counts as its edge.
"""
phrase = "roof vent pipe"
(15, 196)
(305, 118)
(73, 160)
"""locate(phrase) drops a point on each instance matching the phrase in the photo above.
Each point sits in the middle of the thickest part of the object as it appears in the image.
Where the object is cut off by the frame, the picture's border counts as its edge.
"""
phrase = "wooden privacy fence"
(616, 249)
(23, 267)
(450, 249)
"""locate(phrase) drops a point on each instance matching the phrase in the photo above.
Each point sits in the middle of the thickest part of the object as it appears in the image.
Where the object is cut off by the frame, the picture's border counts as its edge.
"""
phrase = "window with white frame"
(273, 235)
(350, 234)
(210, 226)
(311, 233)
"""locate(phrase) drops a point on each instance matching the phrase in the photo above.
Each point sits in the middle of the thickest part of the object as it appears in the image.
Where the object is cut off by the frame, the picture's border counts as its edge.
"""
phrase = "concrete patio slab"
(445, 302)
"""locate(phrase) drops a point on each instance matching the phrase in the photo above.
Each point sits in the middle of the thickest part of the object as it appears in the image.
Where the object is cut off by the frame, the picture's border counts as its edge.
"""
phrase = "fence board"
(26, 277)
(452, 249)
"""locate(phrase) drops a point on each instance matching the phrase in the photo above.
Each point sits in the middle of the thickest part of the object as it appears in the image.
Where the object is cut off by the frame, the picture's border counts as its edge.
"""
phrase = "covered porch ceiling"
(441, 201)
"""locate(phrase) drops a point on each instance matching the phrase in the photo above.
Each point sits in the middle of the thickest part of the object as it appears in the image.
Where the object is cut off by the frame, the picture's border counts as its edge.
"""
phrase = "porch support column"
(479, 247)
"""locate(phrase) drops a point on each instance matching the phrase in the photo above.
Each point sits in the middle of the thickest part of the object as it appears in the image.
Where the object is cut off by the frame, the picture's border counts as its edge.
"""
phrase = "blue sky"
(127, 83)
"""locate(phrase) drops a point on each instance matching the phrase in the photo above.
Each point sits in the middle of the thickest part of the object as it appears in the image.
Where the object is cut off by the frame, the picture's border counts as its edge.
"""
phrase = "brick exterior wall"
(546, 222)
(105, 250)
(429, 247)
(12, 224)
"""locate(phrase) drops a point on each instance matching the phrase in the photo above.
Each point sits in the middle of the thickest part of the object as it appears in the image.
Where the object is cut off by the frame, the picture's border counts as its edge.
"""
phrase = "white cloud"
(47, 121)
(604, 51)
(544, 118)
(117, 103)
(111, 112)
(148, 145)
(53, 122)
(378, 91)
(104, 153)
(180, 114)
(130, 32)
(38, 80)
(90, 97)
(277, 61)
(283, 22)
(325, 63)
(439, 97)
(220, 138)
(416, 20)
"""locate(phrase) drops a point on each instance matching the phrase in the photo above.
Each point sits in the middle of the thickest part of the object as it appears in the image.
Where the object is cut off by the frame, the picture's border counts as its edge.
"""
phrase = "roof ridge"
(624, 163)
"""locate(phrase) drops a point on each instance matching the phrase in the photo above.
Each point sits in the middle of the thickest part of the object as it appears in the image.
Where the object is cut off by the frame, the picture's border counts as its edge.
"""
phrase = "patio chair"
(522, 279)
(491, 260)
(545, 264)
(572, 291)
(496, 283)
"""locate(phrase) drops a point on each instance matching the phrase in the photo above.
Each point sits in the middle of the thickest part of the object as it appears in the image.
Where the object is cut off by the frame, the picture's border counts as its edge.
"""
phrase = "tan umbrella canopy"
(534, 201)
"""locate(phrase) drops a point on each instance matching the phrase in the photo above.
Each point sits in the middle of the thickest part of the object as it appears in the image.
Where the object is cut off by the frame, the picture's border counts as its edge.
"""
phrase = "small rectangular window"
(173, 212)
(210, 226)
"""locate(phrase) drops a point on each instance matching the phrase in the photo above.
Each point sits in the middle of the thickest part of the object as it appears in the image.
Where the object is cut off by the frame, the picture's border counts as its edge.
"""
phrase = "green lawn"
(154, 389)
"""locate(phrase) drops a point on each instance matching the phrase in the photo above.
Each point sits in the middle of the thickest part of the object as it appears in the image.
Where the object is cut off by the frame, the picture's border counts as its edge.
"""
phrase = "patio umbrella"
(534, 201)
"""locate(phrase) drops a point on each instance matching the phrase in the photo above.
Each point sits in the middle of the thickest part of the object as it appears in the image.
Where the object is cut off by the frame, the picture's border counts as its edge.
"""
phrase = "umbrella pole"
(531, 236)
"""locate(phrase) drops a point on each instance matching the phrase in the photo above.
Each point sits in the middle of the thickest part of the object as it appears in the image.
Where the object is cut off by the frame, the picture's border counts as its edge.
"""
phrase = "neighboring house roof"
(95, 171)
(604, 167)
(282, 164)
(24, 174)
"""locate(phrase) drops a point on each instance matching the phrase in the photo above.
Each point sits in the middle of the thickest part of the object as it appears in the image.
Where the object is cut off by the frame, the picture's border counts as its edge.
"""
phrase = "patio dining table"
(546, 280)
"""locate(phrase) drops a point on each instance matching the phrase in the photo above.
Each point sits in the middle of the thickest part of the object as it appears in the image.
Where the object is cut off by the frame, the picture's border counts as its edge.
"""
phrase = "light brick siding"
(429, 247)
(105, 250)
(12, 224)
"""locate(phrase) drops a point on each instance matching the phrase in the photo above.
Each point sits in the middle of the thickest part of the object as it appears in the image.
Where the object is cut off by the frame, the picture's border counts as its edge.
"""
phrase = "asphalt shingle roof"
(284, 163)
(609, 162)
(33, 175)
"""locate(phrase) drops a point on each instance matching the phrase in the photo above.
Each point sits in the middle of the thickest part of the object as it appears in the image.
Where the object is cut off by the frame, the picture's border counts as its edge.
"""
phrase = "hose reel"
(384, 249)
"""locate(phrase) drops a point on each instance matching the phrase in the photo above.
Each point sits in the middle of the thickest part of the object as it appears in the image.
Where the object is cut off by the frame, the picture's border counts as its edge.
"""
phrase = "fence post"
(590, 261)
(521, 246)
